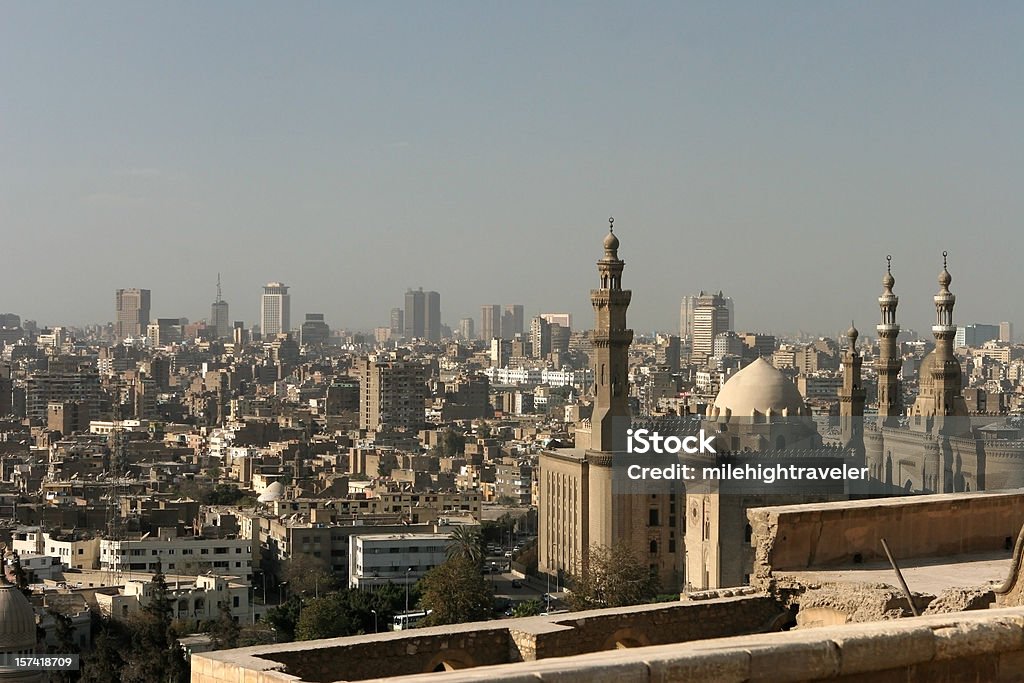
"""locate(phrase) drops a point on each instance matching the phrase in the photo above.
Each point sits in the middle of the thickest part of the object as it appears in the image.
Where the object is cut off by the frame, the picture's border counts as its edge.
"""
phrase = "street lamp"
(407, 571)
(374, 620)
(280, 593)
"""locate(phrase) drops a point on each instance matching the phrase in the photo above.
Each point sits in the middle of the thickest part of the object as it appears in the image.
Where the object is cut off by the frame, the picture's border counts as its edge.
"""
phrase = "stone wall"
(822, 535)
(971, 646)
(466, 646)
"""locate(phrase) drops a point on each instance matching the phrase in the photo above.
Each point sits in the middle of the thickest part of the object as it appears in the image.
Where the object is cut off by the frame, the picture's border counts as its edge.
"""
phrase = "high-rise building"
(314, 331)
(490, 322)
(563, 319)
(512, 321)
(466, 329)
(132, 312)
(687, 309)
(275, 310)
(397, 323)
(165, 331)
(1006, 332)
(975, 335)
(710, 319)
(540, 337)
(432, 316)
(415, 314)
(392, 393)
(219, 320)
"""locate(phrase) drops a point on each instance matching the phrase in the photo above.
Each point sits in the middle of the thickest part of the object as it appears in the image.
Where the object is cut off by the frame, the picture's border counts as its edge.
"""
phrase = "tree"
(105, 662)
(529, 608)
(308, 574)
(614, 577)
(456, 592)
(155, 654)
(283, 619)
(450, 444)
(20, 576)
(468, 543)
(330, 616)
(224, 632)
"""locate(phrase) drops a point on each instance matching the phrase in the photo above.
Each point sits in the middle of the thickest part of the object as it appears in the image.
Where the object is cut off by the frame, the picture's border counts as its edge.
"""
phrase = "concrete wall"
(797, 537)
(466, 646)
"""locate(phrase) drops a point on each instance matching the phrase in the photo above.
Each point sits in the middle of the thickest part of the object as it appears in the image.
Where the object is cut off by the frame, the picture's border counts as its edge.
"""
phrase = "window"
(652, 519)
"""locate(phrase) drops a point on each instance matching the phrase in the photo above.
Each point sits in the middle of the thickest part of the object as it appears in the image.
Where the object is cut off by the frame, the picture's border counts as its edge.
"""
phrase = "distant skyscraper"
(432, 316)
(397, 323)
(1006, 332)
(563, 319)
(490, 322)
(540, 337)
(275, 310)
(512, 321)
(132, 312)
(687, 309)
(975, 335)
(415, 314)
(466, 329)
(392, 390)
(314, 331)
(710, 318)
(219, 320)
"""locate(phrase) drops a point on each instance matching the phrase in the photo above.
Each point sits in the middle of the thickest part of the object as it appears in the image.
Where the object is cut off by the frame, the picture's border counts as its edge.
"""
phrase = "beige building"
(132, 312)
(392, 391)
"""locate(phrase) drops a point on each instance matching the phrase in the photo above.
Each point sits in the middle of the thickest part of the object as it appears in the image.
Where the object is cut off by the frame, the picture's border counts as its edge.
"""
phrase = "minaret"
(946, 368)
(890, 393)
(611, 341)
(852, 394)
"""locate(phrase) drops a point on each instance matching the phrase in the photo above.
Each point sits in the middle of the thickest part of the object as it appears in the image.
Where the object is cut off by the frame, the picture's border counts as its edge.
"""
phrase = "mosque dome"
(759, 388)
(273, 492)
(17, 620)
(611, 242)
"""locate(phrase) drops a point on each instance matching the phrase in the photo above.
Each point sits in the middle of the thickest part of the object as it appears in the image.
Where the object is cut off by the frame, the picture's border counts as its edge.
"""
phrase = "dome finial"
(944, 277)
(611, 242)
(888, 263)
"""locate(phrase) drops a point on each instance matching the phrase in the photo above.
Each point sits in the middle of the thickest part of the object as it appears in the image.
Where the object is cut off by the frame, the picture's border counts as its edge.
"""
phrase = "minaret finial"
(888, 263)
(611, 224)
(944, 255)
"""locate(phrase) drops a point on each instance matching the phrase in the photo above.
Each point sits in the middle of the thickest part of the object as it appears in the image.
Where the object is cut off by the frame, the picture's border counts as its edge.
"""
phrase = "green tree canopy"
(456, 592)
(614, 577)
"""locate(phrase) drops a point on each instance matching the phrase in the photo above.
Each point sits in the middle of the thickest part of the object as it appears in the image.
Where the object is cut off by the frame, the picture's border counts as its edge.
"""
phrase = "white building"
(379, 559)
(183, 555)
(275, 310)
(193, 601)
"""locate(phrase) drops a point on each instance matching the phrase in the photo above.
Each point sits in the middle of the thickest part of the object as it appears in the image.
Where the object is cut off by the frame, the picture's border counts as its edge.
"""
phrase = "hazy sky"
(774, 150)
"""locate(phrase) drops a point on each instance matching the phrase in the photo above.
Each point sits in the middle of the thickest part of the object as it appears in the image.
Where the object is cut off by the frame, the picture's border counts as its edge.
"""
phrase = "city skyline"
(373, 134)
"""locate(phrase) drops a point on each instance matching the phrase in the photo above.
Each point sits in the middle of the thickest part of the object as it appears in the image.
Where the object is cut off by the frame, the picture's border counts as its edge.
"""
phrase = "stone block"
(879, 646)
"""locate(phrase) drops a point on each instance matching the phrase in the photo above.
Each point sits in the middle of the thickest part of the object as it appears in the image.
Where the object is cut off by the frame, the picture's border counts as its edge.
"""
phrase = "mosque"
(696, 539)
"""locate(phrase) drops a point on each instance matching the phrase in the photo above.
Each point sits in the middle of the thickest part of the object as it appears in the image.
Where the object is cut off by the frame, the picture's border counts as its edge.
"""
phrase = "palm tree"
(468, 544)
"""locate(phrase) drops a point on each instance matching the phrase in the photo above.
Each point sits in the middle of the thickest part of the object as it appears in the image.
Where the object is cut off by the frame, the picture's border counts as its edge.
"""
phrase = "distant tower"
(852, 394)
(946, 368)
(219, 319)
(490, 322)
(432, 316)
(132, 312)
(890, 393)
(415, 314)
(611, 340)
(275, 310)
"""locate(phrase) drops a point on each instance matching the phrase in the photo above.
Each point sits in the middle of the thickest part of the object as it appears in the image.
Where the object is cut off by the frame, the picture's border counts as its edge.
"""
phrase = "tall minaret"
(611, 341)
(946, 368)
(890, 393)
(852, 395)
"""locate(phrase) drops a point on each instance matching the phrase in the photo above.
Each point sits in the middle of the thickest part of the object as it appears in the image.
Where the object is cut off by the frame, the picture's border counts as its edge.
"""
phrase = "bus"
(408, 620)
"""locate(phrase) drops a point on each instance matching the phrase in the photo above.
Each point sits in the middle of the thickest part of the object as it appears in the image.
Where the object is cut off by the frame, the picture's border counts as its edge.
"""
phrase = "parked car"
(516, 583)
